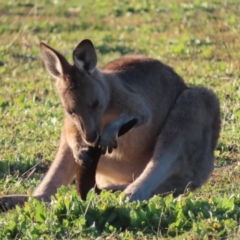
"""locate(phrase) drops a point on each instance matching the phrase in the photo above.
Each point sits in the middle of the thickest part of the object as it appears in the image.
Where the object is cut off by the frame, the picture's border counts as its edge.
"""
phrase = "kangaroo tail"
(11, 201)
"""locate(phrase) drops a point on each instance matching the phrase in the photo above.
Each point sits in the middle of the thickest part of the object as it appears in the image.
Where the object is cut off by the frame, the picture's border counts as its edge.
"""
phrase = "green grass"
(200, 39)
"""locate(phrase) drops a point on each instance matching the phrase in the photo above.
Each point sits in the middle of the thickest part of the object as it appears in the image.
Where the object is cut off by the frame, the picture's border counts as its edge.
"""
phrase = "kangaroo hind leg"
(184, 149)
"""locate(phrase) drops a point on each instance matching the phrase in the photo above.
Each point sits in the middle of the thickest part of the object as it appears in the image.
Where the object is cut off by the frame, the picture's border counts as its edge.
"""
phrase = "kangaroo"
(171, 146)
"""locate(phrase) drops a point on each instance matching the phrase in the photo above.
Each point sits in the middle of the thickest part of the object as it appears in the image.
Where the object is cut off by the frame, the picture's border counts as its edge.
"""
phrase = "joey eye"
(95, 104)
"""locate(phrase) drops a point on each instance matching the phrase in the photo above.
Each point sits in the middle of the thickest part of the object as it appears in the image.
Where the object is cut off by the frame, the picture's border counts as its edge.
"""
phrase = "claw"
(110, 150)
(115, 145)
(103, 149)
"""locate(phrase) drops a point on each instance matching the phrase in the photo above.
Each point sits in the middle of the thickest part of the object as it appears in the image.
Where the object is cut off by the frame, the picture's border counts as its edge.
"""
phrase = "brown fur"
(171, 146)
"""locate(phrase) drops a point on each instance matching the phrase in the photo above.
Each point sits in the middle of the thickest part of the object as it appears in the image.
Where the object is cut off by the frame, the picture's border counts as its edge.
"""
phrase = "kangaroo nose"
(92, 137)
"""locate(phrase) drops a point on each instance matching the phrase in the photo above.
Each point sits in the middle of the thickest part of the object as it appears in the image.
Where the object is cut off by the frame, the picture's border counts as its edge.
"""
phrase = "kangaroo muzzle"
(91, 138)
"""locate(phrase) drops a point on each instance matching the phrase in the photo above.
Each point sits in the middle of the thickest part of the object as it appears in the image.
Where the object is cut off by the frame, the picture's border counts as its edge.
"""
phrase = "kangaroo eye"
(95, 104)
(71, 112)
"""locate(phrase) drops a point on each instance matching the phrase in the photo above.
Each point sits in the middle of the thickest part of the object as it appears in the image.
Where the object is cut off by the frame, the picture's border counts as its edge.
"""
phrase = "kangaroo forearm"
(118, 123)
(132, 106)
(122, 124)
(126, 121)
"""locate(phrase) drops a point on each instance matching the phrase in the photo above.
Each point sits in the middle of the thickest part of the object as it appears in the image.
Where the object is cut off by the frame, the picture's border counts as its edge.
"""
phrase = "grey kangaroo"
(171, 146)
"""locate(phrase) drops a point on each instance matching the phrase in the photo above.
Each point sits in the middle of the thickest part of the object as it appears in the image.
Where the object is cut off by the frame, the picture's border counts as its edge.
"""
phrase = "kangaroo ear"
(55, 63)
(84, 56)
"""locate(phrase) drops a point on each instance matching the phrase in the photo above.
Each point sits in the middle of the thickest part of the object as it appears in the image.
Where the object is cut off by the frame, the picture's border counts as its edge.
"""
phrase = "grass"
(200, 39)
